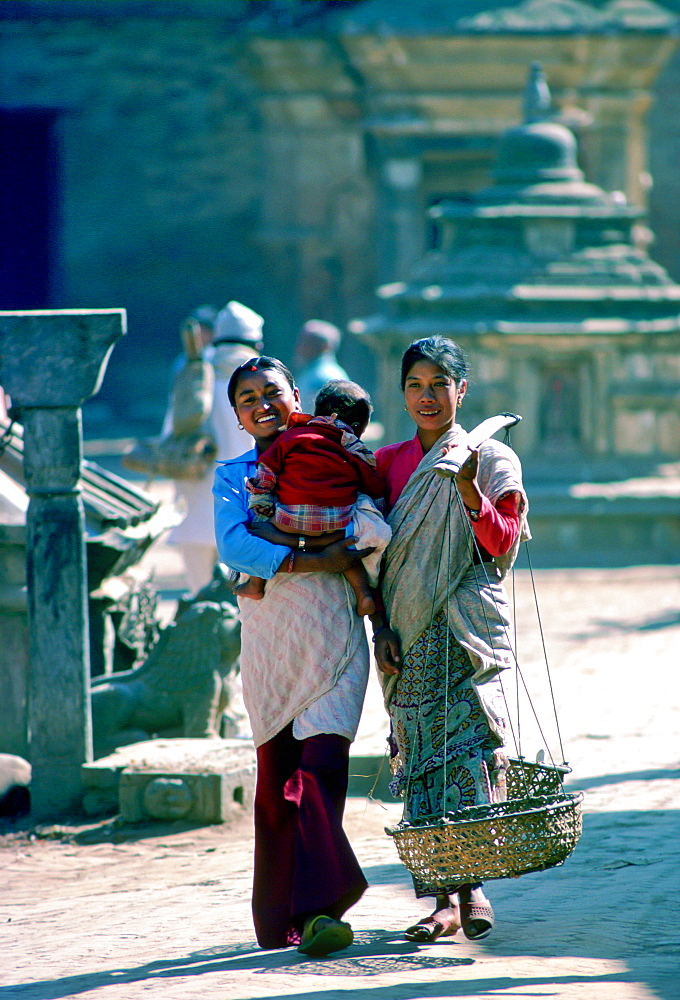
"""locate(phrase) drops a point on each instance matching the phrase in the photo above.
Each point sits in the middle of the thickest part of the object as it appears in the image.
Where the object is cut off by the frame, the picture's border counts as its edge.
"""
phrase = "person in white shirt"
(235, 337)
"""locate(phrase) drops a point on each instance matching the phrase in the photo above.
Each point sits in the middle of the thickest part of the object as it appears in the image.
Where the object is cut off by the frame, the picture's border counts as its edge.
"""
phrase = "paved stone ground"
(117, 913)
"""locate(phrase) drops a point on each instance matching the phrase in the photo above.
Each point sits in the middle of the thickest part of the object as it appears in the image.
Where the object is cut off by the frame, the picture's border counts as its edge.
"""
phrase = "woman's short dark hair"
(349, 401)
(441, 352)
(257, 364)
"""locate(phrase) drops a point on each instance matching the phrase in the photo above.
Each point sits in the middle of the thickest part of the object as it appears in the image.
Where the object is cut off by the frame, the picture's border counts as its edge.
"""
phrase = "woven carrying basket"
(500, 840)
(524, 779)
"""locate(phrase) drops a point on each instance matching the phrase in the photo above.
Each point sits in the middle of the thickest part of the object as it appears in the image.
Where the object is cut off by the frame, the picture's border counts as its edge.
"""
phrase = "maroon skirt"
(304, 864)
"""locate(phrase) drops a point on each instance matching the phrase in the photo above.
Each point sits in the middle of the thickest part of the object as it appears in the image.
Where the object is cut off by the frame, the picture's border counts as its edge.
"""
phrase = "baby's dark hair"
(349, 401)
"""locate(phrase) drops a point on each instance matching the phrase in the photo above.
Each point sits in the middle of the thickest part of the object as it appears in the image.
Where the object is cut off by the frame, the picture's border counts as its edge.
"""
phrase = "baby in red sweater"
(309, 479)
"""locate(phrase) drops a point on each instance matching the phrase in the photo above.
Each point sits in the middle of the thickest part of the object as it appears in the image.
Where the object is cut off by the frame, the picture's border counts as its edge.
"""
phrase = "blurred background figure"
(237, 337)
(234, 336)
(202, 321)
(196, 333)
(315, 360)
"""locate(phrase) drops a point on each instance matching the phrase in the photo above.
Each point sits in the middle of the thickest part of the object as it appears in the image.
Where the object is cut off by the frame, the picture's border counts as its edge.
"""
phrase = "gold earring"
(460, 402)
(405, 406)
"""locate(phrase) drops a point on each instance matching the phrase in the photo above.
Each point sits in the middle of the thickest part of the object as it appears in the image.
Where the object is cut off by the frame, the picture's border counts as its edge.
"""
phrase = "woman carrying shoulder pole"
(443, 642)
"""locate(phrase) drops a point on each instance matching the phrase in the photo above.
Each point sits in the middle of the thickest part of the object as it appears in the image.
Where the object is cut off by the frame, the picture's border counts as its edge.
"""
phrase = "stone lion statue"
(182, 688)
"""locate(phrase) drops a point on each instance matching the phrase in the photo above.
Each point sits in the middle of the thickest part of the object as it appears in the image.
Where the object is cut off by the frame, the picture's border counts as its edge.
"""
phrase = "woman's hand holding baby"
(334, 558)
(313, 543)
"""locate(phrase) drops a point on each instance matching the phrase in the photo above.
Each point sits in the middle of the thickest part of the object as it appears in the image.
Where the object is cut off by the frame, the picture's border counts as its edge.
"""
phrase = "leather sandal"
(322, 935)
(477, 919)
(427, 930)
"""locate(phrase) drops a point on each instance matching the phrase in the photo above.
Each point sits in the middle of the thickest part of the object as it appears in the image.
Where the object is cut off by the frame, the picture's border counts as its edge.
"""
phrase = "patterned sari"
(447, 708)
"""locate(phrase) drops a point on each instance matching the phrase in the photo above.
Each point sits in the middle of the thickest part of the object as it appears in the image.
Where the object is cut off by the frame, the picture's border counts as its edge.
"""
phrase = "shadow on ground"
(605, 626)
(373, 953)
(110, 830)
(609, 901)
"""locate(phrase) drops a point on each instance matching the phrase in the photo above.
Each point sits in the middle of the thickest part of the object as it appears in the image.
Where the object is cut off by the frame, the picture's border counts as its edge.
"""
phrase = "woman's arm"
(312, 543)
(334, 558)
(385, 639)
(496, 527)
(387, 650)
(247, 553)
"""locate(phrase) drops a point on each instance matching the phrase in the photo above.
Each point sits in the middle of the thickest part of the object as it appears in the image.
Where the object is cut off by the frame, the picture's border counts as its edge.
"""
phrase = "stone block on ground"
(202, 780)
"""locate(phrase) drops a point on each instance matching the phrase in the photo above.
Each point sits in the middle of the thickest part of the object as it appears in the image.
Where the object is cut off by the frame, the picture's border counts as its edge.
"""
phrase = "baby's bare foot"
(255, 593)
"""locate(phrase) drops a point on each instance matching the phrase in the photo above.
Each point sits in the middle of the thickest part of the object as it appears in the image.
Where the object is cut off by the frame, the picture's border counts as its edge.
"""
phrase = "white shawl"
(428, 563)
(295, 644)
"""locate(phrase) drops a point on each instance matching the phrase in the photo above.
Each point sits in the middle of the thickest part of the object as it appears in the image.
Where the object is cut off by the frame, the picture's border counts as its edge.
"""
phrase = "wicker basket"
(524, 779)
(502, 840)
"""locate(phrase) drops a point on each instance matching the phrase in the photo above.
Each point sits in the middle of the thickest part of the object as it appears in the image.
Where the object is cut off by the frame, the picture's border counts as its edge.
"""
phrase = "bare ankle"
(365, 605)
(254, 589)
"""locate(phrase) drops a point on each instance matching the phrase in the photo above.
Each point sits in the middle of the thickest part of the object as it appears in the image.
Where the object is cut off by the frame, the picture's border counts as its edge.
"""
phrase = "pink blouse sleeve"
(497, 527)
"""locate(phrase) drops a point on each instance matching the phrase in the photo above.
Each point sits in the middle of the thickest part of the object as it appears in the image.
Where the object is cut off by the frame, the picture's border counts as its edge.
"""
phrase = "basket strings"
(473, 541)
(519, 673)
(519, 676)
(506, 440)
(515, 646)
(545, 651)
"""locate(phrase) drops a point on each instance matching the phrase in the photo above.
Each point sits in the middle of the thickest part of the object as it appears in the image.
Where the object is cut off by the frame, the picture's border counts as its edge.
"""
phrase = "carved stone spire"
(536, 100)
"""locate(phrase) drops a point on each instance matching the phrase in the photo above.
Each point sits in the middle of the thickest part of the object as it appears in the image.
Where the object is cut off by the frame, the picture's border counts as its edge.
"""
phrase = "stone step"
(201, 780)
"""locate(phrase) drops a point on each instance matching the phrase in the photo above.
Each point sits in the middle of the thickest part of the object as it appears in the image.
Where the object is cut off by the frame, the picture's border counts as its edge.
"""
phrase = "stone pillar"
(50, 363)
(401, 215)
(525, 381)
(602, 440)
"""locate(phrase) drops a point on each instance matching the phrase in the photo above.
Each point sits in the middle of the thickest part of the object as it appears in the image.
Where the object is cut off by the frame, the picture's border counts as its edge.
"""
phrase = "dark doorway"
(560, 408)
(28, 203)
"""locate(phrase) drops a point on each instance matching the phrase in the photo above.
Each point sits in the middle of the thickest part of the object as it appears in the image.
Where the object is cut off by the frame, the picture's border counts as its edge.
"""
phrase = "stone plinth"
(199, 780)
(198, 798)
(51, 361)
(121, 523)
(617, 523)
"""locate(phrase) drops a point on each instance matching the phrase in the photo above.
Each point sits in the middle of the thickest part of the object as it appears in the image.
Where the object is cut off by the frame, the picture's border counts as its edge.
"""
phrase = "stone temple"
(545, 281)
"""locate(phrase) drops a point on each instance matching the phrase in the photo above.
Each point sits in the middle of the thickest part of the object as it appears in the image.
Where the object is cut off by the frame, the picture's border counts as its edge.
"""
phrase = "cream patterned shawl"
(295, 643)
(428, 563)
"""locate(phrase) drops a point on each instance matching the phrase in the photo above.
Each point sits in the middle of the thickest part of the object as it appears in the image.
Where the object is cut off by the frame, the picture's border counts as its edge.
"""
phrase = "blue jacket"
(236, 546)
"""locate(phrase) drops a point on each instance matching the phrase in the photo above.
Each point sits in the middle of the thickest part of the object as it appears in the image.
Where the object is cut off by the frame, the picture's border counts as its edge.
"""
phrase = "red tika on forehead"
(253, 368)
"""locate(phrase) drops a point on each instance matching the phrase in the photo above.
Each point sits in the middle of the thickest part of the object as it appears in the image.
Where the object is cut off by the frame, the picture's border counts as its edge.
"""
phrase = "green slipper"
(323, 938)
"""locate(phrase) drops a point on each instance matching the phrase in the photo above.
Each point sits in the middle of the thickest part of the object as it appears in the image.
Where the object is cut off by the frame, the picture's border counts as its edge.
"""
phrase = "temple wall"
(193, 163)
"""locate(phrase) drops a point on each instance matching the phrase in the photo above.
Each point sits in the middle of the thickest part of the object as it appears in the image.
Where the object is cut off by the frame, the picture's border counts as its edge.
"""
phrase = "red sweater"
(312, 466)
(497, 526)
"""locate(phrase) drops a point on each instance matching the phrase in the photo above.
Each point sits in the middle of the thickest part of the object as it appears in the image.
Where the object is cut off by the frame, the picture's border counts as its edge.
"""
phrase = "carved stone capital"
(56, 357)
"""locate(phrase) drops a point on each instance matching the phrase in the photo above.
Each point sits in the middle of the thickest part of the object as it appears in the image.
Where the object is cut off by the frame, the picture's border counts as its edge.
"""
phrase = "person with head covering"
(232, 336)
(315, 360)
(237, 337)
